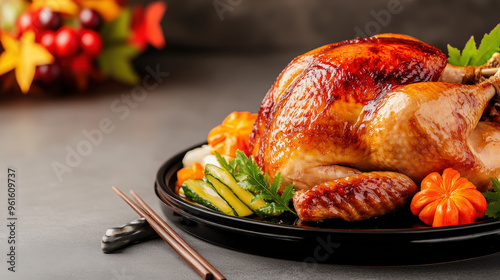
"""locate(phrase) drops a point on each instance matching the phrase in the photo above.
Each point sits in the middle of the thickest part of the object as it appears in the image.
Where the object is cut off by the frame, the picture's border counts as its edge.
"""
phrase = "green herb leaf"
(241, 178)
(261, 182)
(493, 198)
(223, 163)
(272, 209)
(472, 56)
(243, 182)
(250, 177)
(493, 209)
(287, 194)
(496, 184)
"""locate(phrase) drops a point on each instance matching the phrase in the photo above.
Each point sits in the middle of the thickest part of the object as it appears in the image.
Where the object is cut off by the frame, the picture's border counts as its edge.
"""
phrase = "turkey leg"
(415, 129)
(420, 128)
(470, 74)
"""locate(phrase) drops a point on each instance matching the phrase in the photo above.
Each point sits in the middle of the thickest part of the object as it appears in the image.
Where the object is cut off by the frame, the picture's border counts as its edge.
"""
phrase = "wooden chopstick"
(198, 266)
(216, 274)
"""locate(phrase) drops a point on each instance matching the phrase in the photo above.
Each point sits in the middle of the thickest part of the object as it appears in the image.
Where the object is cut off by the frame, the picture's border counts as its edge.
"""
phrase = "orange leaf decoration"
(146, 25)
(196, 172)
(448, 200)
(233, 134)
(154, 13)
(23, 56)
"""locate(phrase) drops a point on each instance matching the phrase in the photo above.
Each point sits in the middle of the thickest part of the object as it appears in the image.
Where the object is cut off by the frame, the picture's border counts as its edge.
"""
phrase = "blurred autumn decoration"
(54, 45)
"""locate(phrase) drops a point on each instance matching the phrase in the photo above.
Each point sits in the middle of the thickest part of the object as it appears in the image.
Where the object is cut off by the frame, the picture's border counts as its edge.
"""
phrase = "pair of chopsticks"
(197, 262)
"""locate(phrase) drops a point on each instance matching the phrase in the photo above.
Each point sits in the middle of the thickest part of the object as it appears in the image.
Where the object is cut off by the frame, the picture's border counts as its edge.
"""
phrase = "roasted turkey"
(374, 104)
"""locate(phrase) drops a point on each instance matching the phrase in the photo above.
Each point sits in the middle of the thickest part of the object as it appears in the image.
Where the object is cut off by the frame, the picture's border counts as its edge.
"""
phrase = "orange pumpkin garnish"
(448, 200)
(195, 172)
(233, 134)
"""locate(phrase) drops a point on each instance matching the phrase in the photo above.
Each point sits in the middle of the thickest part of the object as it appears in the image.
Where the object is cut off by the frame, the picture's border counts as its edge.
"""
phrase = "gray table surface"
(61, 222)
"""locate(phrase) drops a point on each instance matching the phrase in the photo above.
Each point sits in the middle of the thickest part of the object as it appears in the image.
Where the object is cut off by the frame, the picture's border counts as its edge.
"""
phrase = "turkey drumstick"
(415, 129)
(420, 128)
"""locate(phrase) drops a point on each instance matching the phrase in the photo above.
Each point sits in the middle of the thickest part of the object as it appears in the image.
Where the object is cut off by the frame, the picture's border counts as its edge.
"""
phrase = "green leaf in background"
(489, 45)
(476, 57)
(115, 59)
(467, 54)
(454, 56)
(118, 30)
(469, 51)
(115, 62)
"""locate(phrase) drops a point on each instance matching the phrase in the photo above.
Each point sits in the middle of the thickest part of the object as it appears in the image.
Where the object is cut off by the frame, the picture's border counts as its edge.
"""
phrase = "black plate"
(394, 240)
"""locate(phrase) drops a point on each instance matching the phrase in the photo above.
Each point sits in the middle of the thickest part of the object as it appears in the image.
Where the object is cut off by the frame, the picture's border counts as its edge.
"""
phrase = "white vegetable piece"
(197, 155)
(210, 159)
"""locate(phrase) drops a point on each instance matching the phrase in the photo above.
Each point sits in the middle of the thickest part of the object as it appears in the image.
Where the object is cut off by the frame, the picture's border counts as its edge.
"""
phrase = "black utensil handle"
(120, 237)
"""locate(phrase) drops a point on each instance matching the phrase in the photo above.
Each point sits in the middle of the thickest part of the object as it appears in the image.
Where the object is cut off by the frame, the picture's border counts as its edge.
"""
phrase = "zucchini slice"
(202, 192)
(239, 207)
(224, 177)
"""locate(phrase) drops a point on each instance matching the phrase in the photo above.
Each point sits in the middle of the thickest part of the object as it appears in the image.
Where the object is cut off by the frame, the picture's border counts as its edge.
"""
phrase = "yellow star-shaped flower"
(62, 6)
(23, 56)
(108, 9)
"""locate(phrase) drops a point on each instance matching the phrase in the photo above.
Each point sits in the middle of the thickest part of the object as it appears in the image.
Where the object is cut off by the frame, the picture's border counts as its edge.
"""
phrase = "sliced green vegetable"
(202, 192)
(229, 181)
(269, 191)
(239, 207)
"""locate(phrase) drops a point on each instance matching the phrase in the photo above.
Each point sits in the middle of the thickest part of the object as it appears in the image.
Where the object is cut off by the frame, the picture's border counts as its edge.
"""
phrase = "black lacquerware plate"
(398, 239)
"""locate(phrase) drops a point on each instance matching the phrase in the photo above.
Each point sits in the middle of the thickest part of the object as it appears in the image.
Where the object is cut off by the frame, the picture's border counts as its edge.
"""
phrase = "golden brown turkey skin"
(308, 124)
(421, 128)
(355, 198)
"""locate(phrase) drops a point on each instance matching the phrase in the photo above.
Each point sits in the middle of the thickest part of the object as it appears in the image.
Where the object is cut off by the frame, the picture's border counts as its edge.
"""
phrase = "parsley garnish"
(493, 198)
(471, 55)
(252, 178)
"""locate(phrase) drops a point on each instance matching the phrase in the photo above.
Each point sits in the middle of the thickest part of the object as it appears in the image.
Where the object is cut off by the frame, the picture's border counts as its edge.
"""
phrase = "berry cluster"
(75, 43)
(57, 46)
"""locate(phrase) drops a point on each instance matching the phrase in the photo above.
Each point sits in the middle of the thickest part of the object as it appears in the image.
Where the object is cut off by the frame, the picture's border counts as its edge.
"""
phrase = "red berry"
(48, 19)
(47, 39)
(24, 22)
(91, 42)
(81, 64)
(48, 73)
(66, 42)
(90, 19)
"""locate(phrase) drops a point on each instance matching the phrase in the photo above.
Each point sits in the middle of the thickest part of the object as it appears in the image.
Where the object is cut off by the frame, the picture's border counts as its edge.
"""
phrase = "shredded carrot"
(195, 172)
(233, 134)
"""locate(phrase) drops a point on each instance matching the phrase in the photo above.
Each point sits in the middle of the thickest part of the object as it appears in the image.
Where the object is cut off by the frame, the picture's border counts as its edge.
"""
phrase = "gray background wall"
(256, 25)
